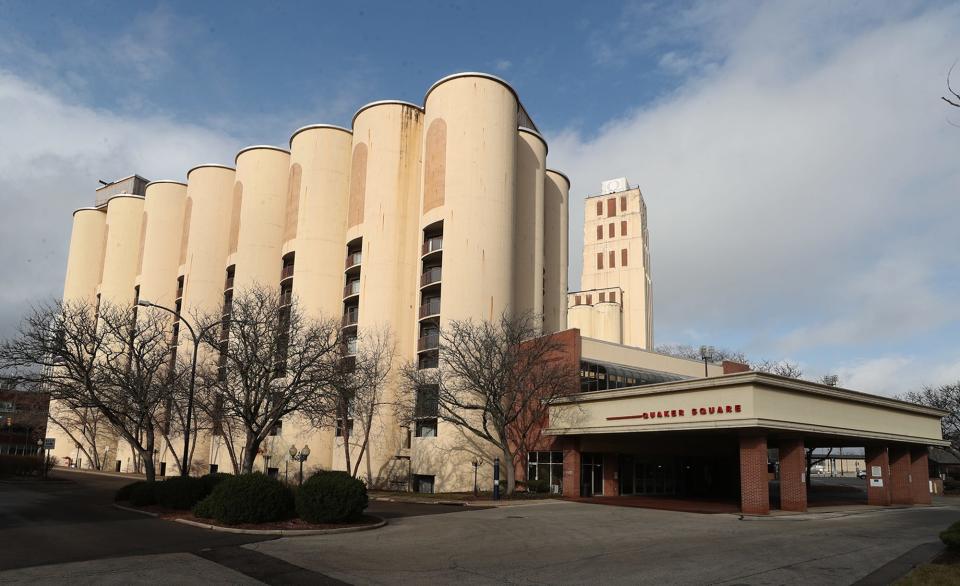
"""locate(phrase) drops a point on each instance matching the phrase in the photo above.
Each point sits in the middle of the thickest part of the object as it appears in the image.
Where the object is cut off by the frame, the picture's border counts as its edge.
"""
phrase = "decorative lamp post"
(477, 462)
(185, 471)
(301, 457)
(43, 465)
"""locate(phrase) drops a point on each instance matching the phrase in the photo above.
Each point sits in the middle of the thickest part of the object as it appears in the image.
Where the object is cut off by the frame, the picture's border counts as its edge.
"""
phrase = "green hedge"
(331, 497)
(183, 492)
(143, 493)
(13, 465)
(951, 537)
(538, 486)
(247, 498)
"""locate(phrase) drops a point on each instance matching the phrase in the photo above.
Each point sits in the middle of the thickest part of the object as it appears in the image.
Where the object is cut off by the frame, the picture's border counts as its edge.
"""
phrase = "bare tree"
(495, 381)
(110, 360)
(946, 397)
(778, 367)
(272, 361)
(83, 425)
(356, 393)
(954, 99)
(689, 352)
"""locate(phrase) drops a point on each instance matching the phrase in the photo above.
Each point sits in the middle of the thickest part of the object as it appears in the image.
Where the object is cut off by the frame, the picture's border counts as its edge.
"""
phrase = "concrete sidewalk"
(173, 568)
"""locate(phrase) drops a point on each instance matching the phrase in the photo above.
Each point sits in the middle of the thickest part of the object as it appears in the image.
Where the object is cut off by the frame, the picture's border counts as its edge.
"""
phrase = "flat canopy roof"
(744, 401)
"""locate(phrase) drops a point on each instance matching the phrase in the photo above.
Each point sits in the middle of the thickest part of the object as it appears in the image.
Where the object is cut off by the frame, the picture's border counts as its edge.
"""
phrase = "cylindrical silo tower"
(166, 218)
(607, 322)
(121, 259)
(469, 201)
(529, 229)
(85, 259)
(556, 250)
(210, 199)
(320, 171)
(581, 317)
(390, 133)
(261, 181)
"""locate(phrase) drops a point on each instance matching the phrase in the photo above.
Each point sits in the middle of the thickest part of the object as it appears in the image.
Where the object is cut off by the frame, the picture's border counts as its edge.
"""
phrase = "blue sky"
(798, 166)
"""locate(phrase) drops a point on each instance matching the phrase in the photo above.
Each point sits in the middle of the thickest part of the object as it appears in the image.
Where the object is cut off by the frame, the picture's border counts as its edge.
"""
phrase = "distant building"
(23, 420)
(615, 301)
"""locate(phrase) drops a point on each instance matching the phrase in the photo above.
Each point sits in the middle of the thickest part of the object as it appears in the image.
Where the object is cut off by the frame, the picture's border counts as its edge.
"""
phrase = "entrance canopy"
(777, 405)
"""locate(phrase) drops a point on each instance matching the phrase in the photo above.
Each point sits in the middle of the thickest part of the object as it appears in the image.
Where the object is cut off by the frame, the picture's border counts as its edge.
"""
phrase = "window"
(339, 431)
(589, 299)
(214, 468)
(546, 466)
(277, 428)
(611, 207)
(603, 297)
(599, 260)
(611, 232)
(576, 300)
(613, 297)
(613, 259)
(623, 257)
(599, 208)
(425, 411)
(599, 232)
(623, 228)
(623, 203)
(405, 435)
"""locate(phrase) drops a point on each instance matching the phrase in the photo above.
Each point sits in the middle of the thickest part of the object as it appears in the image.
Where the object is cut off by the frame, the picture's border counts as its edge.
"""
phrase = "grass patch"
(931, 575)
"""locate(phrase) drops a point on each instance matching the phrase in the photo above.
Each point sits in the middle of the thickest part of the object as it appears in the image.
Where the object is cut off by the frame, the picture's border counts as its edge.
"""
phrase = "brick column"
(901, 492)
(571, 467)
(920, 474)
(876, 456)
(793, 471)
(754, 491)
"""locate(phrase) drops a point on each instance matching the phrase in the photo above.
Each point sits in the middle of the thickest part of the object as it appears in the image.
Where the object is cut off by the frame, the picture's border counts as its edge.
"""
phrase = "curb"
(834, 514)
(132, 510)
(284, 532)
(132, 476)
(485, 504)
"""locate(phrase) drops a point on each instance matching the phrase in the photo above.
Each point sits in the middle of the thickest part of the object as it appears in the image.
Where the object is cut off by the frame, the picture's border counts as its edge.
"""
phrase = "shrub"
(539, 486)
(143, 493)
(180, 492)
(247, 498)
(123, 494)
(951, 537)
(331, 497)
(13, 465)
(210, 481)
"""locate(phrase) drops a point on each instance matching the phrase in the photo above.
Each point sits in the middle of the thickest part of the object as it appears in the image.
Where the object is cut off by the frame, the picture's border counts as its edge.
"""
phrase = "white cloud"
(53, 154)
(896, 374)
(502, 65)
(803, 188)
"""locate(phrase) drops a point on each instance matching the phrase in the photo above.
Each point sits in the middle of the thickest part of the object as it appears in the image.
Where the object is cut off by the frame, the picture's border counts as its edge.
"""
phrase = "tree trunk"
(249, 454)
(345, 427)
(511, 471)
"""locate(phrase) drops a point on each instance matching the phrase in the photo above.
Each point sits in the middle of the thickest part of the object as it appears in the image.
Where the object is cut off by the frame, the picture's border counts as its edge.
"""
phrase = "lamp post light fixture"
(706, 354)
(477, 462)
(184, 469)
(301, 457)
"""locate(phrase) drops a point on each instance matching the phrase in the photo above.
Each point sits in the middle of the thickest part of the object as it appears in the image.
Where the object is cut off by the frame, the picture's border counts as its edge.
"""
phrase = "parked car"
(817, 469)
(861, 473)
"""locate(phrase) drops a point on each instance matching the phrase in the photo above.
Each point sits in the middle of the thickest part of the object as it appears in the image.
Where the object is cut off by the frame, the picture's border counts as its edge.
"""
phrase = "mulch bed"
(288, 525)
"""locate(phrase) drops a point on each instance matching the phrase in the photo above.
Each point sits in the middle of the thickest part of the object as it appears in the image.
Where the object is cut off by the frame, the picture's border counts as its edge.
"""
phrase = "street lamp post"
(477, 462)
(184, 469)
(706, 354)
(301, 457)
(43, 464)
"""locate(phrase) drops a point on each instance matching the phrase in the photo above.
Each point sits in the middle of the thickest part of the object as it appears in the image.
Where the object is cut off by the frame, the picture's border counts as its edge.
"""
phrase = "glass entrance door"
(591, 474)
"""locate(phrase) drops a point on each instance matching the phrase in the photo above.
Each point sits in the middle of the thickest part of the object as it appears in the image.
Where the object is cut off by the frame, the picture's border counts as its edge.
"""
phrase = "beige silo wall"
(320, 169)
(121, 259)
(556, 250)
(390, 133)
(164, 208)
(261, 180)
(529, 229)
(470, 163)
(581, 318)
(607, 322)
(85, 258)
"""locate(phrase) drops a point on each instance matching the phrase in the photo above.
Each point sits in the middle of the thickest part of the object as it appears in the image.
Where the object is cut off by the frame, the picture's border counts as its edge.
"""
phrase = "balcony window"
(350, 346)
(426, 411)
(428, 360)
(350, 316)
(430, 340)
(432, 245)
(353, 259)
(352, 288)
(430, 276)
(430, 307)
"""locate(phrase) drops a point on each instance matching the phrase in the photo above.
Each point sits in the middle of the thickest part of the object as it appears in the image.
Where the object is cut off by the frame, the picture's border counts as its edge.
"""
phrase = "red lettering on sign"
(736, 408)
(673, 413)
(729, 409)
(712, 410)
(703, 411)
(681, 413)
